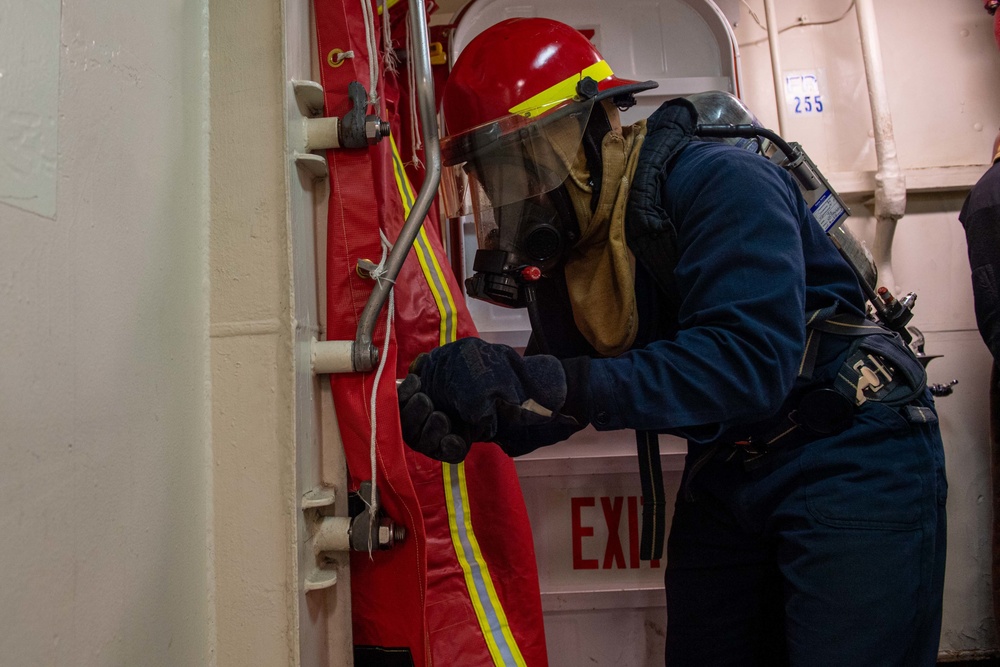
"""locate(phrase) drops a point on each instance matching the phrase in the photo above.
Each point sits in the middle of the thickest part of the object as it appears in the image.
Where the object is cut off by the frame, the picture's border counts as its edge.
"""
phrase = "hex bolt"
(376, 129)
(389, 534)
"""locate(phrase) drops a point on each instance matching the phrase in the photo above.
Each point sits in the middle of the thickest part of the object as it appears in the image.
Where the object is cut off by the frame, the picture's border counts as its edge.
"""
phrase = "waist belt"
(879, 367)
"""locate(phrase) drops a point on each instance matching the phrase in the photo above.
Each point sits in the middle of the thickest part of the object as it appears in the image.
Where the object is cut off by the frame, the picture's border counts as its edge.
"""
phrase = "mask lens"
(517, 157)
(507, 164)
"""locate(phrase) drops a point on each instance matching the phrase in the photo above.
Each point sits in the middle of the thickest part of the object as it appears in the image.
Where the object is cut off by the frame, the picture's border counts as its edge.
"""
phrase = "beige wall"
(104, 420)
(148, 500)
(253, 434)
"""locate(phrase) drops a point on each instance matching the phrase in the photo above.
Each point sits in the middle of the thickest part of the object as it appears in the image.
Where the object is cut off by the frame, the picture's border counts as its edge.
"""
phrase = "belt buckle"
(873, 376)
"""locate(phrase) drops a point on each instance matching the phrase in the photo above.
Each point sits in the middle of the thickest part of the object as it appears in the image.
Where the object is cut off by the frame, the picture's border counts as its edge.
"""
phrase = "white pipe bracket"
(333, 533)
(322, 133)
(332, 356)
(326, 533)
(309, 105)
(309, 97)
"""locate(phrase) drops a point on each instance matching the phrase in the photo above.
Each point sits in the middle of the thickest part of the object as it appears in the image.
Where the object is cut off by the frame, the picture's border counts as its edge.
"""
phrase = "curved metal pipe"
(365, 355)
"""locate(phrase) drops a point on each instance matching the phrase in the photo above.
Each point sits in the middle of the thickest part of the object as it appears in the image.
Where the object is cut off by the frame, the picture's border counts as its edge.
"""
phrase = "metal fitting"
(369, 527)
(364, 355)
(939, 390)
(358, 130)
(389, 534)
(376, 129)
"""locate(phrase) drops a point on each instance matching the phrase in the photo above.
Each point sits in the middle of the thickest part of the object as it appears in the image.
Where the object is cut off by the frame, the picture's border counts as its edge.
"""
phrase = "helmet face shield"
(515, 160)
(521, 155)
(516, 106)
(510, 167)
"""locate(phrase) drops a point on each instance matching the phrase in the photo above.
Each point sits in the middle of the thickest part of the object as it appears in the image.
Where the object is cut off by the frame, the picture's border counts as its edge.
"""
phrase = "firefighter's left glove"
(480, 391)
(427, 430)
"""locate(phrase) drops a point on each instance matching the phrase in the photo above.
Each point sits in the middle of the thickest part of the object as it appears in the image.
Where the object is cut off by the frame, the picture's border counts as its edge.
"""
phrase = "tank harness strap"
(654, 505)
(652, 238)
(878, 367)
(649, 231)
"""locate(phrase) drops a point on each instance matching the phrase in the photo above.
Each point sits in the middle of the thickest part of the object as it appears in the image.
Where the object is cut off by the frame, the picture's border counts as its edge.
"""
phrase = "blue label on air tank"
(828, 211)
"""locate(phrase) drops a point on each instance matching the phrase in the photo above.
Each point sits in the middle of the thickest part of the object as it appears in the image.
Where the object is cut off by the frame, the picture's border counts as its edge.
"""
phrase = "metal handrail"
(365, 354)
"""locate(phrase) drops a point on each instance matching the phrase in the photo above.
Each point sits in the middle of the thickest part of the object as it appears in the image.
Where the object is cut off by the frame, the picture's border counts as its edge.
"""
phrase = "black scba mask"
(528, 241)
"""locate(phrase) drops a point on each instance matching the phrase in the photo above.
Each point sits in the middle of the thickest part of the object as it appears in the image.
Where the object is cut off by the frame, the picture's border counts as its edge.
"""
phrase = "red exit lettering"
(612, 509)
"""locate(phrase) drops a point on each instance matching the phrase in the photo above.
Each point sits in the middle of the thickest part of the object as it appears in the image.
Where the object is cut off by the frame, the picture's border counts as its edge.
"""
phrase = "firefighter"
(681, 286)
(980, 216)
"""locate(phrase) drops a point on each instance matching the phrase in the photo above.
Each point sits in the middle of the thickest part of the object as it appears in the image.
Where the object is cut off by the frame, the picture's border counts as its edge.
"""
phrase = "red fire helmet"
(525, 66)
(516, 108)
(991, 6)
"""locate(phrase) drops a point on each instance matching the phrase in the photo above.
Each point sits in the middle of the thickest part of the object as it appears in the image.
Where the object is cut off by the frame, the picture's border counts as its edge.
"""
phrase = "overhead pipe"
(890, 182)
(363, 354)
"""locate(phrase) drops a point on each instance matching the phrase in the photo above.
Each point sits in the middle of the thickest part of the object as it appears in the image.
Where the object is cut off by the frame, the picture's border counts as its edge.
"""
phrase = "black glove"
(425, 429)
(478, 391)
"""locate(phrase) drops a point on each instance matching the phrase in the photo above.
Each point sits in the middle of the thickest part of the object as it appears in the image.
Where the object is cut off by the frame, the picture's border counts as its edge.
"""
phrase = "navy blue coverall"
(809, 551)
(980, 216)
(826, 552)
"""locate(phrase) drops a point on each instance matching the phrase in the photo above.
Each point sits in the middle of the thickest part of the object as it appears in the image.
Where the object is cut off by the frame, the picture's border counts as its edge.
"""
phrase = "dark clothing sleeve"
(980, 216)
(746, 244)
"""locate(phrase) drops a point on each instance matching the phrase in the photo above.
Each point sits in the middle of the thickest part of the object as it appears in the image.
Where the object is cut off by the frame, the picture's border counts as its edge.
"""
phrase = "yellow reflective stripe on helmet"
(562, 91)
(493, 623)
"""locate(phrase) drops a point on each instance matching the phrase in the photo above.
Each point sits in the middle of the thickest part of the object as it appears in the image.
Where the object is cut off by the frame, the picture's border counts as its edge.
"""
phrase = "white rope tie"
(411, 78)
(378, 275)
(366, 9)
(390, 59)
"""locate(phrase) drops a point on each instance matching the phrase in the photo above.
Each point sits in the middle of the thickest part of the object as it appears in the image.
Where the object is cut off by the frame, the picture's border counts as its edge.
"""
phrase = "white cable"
(373, 58)
(799, 24)
(378, 275)
(411, 78)
(390, 60)
(753, 15)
